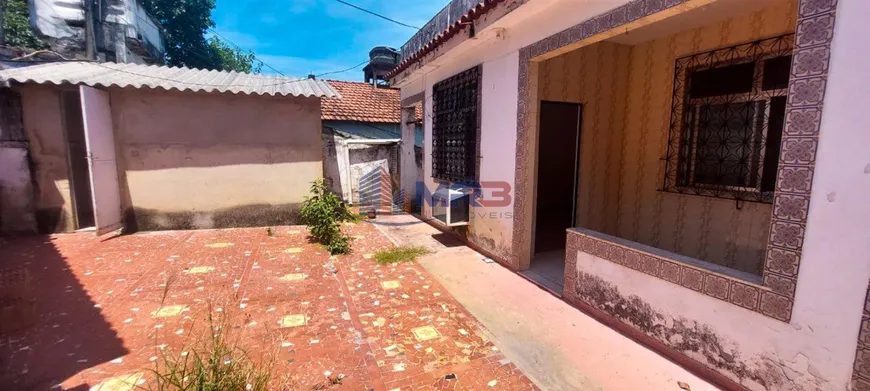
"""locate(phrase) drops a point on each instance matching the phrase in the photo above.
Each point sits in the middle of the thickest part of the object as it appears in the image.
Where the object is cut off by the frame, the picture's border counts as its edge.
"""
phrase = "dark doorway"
(558, 146)
(77, 154)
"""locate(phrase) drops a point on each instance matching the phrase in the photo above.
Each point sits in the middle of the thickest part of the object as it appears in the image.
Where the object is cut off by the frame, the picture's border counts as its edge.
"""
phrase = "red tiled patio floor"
(380, 327)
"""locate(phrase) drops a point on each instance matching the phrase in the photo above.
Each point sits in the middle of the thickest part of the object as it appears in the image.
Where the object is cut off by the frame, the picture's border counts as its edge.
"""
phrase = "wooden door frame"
(534, 220)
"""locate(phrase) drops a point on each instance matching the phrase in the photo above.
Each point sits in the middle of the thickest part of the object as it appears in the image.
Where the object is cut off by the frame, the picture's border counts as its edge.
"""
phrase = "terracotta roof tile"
(364, 103)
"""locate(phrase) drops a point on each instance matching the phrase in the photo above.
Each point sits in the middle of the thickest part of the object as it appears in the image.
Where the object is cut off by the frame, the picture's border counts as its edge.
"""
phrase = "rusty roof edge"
(479, 9)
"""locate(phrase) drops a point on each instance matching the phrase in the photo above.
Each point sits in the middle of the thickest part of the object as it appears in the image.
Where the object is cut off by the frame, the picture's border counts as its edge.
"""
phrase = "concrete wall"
(489, 227)
(16, 189)
(43, 124)
(626, 92)
(409, 172)
(62, 23)
(185, 160)
(215, 160)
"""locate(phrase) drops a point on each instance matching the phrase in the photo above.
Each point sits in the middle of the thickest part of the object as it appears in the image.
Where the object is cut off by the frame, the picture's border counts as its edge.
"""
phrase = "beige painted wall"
(626, 93)
(43, 123)
(215, 160)
(186, 160)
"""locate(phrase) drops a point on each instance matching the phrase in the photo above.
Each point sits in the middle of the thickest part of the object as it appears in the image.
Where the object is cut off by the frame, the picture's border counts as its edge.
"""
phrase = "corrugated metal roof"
(168, 78)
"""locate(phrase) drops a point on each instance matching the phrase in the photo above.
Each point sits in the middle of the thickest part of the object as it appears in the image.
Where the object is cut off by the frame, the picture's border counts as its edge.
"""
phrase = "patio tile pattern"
(104, 313)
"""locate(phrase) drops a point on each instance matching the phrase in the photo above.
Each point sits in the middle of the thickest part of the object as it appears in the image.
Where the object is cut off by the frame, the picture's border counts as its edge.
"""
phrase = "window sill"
(704, 191)
(703, 266)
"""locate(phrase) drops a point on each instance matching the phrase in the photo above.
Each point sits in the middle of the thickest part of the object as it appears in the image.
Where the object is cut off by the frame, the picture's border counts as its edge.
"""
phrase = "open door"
(100, 140)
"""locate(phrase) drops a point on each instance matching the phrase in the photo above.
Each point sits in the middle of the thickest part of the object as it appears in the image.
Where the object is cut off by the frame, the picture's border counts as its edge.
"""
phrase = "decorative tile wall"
(861, 369)
(813, 35)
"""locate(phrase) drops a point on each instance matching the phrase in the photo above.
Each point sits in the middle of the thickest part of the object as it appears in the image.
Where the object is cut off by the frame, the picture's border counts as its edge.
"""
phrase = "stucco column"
(407, 160)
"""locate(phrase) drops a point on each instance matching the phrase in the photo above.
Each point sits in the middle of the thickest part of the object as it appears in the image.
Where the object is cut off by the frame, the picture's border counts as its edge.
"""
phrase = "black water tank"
(382, 60)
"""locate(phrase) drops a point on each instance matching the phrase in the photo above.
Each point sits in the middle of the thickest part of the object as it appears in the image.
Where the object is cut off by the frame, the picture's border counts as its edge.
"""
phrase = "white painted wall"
(52, 18)
(497, 145)
(499, 55)
(408, 170)
(132, 14)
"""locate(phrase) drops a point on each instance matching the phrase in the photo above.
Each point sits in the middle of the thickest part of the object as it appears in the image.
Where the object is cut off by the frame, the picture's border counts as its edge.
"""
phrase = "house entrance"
(556, 195)
(77, 154)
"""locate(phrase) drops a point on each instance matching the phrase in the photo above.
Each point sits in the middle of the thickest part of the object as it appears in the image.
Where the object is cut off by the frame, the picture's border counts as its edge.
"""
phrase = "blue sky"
(302, 36)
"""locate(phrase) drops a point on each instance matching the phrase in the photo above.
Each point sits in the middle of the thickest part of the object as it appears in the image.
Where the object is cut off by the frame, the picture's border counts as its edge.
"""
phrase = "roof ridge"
(166, 77)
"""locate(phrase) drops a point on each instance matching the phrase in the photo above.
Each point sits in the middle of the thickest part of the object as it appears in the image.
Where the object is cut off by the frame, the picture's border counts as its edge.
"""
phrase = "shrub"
(399, 254)
(339, 245)
(323, 212)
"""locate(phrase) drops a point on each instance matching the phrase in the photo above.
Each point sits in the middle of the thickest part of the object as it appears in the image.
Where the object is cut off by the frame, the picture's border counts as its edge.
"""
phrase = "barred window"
(455, 127)
(727, 118)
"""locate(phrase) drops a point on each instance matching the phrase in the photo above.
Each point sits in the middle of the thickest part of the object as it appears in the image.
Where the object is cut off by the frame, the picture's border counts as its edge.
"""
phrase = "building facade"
(122, 30)
(690, 168)
(157, 148)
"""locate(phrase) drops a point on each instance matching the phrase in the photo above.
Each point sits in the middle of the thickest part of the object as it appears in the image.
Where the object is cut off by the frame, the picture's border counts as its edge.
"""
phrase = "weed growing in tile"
(216, 362)
(324, 212)
(215, 353)
(399, 254)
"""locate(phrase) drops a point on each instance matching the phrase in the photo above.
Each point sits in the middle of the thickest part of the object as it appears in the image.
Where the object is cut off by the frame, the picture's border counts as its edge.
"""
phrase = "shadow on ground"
(57, 330)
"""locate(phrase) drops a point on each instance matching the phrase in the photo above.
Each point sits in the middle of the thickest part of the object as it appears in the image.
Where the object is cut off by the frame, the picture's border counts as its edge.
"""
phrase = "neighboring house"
(123, 31)
(693, 173)
(361, 133)
(155, 148)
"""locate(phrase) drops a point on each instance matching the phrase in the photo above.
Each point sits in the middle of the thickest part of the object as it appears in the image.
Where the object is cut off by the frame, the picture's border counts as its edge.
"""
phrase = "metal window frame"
(471, 158)
(683, 144)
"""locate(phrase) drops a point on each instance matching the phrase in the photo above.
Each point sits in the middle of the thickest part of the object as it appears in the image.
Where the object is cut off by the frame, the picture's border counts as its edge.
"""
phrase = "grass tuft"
(399, 254)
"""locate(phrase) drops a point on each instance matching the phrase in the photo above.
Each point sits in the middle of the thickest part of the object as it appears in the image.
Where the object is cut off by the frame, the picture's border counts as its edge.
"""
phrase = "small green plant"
(339, 245)
(399, 254)
(323, 212)
(213, 356)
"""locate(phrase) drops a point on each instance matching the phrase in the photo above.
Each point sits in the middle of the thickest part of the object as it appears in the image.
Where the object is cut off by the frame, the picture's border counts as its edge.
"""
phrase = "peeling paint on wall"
(696, 340)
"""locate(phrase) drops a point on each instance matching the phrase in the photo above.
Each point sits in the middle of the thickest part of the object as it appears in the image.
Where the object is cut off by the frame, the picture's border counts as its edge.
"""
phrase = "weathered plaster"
(215, 159)
(262, 215)
(16, 190)
(689, 337)
(44, 127)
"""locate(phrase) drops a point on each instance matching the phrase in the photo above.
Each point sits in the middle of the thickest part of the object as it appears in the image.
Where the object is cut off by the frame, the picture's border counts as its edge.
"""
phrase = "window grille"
(455, 125)
(727, 117)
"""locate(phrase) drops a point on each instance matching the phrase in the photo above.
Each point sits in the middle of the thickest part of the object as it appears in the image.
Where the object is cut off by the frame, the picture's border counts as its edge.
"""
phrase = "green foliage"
(233, 59)
(339, 245)
(399, 254)
(215, 365)
(213, 356)
(185, 24)
(16, 26)
(324, 212)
